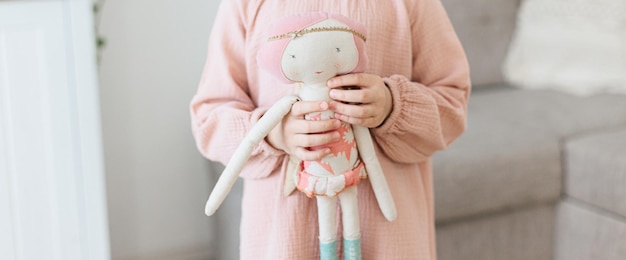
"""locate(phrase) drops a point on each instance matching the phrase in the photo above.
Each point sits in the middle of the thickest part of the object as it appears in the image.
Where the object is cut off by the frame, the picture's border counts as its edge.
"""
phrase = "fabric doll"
(310, 49)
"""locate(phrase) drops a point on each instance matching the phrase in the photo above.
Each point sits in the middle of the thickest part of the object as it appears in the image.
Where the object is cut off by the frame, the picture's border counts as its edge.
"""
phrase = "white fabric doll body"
(327, 46)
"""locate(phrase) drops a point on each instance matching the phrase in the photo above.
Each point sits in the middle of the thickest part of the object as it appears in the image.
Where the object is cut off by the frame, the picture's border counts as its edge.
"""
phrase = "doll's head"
(313, 47)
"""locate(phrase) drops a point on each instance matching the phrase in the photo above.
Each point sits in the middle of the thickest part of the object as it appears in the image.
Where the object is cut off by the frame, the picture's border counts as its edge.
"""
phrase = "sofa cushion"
(575, 46)
(485, 28)
(525, 234)
(510, 154)
(596, 170)
(584, 233)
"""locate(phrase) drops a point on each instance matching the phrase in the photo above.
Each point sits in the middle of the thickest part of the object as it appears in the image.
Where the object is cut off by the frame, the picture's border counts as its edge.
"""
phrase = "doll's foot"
(328, 251)
(352, 249)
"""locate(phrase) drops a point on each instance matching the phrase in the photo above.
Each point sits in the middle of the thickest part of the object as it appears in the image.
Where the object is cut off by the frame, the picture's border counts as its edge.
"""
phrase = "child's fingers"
(352, 79)
(299, 109)
(364, 121)
(303, 143)
(316, 126)
(358, 88)
(357, 111)
(350, 88)
(306, 155)
(315, 140)
(365, 115)
(355, 96)
(367, 105)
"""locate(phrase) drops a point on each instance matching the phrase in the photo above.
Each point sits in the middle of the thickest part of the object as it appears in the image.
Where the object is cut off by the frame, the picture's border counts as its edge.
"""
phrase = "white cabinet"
(52, 201)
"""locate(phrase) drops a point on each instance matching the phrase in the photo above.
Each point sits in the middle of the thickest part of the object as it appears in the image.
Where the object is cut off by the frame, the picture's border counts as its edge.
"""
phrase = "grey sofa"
(538, 174)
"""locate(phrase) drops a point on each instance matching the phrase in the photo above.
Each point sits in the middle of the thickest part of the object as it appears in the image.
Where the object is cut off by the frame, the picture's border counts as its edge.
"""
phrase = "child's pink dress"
(412, 45)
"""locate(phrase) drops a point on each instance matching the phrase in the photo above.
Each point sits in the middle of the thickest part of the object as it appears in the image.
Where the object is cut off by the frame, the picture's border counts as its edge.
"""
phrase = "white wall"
(157, 181)
(52, 202)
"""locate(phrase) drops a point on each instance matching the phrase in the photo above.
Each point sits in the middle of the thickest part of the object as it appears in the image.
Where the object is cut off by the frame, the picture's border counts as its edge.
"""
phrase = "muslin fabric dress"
(412, 45)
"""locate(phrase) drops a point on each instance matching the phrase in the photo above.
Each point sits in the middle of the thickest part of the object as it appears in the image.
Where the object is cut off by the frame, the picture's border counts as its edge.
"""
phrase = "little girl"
(413, 97)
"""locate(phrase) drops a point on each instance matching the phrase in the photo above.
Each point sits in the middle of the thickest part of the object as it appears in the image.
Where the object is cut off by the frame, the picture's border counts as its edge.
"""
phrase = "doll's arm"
(374, 172)
(227, 179)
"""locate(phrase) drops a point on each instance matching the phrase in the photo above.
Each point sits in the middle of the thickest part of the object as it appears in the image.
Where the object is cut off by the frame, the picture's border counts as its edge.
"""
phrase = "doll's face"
(316, 57)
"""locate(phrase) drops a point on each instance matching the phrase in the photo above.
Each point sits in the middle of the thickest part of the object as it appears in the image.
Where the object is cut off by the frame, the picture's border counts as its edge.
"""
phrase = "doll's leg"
(351, 224)
(327, 212)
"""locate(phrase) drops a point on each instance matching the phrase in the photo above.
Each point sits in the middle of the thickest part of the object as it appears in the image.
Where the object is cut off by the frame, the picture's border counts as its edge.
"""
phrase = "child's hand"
(368, 105)
(295, 135)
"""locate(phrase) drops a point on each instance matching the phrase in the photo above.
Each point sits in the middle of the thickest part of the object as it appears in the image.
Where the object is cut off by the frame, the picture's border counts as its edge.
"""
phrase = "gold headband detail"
(296, 34)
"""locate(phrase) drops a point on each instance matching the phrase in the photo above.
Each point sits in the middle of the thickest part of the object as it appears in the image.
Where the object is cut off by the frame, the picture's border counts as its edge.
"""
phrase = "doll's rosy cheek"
(292, 75)
(290, 68)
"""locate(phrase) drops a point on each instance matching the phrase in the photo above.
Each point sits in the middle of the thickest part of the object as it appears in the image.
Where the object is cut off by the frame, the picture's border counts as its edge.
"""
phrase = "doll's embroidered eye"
(292, 56)
(338, 49)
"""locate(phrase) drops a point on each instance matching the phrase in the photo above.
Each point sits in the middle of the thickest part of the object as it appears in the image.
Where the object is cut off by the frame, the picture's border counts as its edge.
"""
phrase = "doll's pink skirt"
(330, 186)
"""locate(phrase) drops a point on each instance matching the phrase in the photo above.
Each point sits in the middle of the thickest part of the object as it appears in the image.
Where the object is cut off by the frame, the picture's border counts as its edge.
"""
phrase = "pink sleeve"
(430, 109)
(221, 111)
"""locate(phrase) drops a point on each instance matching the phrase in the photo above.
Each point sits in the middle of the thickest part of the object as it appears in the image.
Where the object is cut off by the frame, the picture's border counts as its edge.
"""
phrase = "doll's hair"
(270, 55)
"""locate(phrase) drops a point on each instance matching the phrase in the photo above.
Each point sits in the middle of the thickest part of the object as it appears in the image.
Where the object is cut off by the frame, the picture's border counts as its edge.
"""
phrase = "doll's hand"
(295, 135)
(368, 105)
